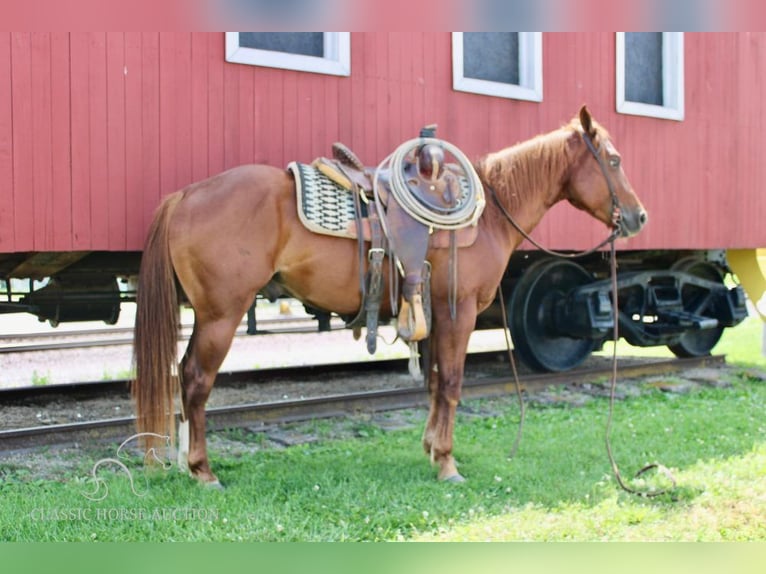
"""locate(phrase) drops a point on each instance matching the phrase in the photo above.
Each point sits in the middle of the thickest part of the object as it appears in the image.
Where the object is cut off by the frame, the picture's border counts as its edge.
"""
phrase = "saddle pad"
(323, 206)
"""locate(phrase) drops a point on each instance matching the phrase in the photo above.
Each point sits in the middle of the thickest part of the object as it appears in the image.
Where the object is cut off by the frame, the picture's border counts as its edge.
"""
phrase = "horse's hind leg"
(206, 351)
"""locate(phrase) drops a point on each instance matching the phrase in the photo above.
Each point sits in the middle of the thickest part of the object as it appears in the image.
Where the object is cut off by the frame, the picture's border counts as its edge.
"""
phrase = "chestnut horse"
(223, 239)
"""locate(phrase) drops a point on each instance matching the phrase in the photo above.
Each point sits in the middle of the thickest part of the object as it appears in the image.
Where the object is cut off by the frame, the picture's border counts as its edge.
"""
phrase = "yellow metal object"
(750, 267)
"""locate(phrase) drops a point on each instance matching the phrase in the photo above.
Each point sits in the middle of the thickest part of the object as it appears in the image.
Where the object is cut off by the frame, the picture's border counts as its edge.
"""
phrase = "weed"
(39, 380)
(121, 375)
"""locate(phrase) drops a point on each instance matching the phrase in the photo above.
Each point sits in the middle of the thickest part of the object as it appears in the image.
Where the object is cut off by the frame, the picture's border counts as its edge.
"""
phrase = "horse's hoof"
(456, 478)
(214, 485)
(209, 481)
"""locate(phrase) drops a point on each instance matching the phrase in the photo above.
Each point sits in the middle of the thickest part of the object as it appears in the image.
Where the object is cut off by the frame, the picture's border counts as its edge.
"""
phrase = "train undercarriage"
(559, 311)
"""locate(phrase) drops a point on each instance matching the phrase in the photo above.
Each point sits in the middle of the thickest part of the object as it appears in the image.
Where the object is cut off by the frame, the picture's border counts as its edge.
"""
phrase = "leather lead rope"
(615, 209)
(612, 391)
(615, 333)
(612, 236)
(613, 387)
(519, 395)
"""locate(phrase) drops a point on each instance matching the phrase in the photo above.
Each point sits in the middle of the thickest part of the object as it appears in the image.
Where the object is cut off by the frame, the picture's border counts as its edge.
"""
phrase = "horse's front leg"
(449, 345)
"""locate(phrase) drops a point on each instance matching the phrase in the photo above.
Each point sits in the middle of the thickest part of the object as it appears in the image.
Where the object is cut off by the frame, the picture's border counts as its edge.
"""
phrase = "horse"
(218, 242)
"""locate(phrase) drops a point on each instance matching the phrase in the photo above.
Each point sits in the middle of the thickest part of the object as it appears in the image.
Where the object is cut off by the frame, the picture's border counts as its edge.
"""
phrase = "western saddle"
(391, 229)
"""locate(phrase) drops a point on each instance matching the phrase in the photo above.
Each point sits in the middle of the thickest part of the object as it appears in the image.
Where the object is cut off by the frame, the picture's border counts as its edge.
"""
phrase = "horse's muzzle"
(631, 222)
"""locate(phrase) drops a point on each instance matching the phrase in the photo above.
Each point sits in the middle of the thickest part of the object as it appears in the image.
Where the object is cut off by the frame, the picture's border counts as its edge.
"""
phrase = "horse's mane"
(520, 172)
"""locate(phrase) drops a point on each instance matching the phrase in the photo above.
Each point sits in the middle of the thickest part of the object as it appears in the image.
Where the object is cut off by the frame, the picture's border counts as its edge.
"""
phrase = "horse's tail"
(155, 339)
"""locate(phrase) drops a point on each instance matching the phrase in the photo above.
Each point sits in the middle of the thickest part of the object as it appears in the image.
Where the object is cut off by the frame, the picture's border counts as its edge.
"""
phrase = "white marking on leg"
(183, 446)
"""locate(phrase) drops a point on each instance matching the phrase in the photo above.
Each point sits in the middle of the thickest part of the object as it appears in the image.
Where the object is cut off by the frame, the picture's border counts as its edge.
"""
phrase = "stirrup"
(412, 325)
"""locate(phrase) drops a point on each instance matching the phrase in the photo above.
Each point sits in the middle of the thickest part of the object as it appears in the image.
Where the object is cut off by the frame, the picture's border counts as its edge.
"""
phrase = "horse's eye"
(614, 161)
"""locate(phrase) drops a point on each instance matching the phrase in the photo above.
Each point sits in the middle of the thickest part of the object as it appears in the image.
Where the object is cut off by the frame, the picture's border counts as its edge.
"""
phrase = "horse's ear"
(586, 121)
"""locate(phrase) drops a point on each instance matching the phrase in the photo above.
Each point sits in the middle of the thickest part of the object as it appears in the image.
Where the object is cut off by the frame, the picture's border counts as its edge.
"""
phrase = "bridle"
(615, 233)
(616, 205)
(616, 209)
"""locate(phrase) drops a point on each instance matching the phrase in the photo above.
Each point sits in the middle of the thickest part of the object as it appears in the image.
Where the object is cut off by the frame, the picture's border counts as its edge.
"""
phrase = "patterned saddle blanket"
(324, 206)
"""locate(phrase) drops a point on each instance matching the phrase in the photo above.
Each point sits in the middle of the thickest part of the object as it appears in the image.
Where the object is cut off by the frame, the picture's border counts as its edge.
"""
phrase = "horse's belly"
(327, 290)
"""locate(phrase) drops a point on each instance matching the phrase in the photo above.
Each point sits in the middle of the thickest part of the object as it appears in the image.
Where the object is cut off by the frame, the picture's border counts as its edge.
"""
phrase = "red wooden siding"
(7, 199)
(23, 153)
(96, 127)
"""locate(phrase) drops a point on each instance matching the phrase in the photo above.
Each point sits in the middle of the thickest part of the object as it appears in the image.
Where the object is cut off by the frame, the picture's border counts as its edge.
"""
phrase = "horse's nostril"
(642, 219)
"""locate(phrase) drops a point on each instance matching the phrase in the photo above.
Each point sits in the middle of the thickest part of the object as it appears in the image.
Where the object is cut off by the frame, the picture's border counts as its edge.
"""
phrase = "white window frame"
(530, 85)
(672, 80)
(336, 62)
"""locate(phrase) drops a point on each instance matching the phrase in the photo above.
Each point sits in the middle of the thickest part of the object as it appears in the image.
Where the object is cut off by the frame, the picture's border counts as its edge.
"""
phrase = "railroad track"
(275, 412)
(116, 336)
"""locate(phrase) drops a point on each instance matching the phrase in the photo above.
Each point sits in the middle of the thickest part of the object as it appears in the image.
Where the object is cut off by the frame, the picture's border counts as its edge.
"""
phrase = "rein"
(615, 233)
(612, 388)
(616, 208)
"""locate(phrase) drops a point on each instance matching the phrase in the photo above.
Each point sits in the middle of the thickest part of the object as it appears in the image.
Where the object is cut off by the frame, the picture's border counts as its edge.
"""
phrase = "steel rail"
(129, 330)
(276, 326)
(249, 415)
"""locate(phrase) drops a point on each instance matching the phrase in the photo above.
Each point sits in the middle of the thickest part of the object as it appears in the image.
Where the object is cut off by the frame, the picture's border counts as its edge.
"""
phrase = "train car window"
(318, 52)
(306, 43)
(502, 64)
(650, 74)
(643, 68)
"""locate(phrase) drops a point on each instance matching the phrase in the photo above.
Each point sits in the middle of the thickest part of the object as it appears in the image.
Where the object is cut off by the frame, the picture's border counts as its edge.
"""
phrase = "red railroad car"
(95, 128)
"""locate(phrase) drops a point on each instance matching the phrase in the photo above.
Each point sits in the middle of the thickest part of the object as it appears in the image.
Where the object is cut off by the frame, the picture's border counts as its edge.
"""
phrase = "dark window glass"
(491, 56)
(304, 43)
(643, 67)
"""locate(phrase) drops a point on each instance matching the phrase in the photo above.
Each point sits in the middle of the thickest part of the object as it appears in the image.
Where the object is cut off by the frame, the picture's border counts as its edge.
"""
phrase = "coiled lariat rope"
(466, 211)
(470, 204)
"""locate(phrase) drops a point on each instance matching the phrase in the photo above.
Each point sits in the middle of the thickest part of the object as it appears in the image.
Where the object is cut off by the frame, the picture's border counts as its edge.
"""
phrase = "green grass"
(740, 344)
(379, 486)
(559, 487)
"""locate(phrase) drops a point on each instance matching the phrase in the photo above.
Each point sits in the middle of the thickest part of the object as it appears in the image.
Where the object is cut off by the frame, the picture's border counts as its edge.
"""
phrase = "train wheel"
(696, 300)
(532, 320)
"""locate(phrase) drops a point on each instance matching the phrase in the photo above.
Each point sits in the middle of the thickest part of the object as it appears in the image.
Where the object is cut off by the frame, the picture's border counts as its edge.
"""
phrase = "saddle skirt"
(326, 207)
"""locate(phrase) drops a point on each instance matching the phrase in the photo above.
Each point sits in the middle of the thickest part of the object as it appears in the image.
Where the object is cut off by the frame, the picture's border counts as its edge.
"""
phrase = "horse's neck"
(526, 202)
